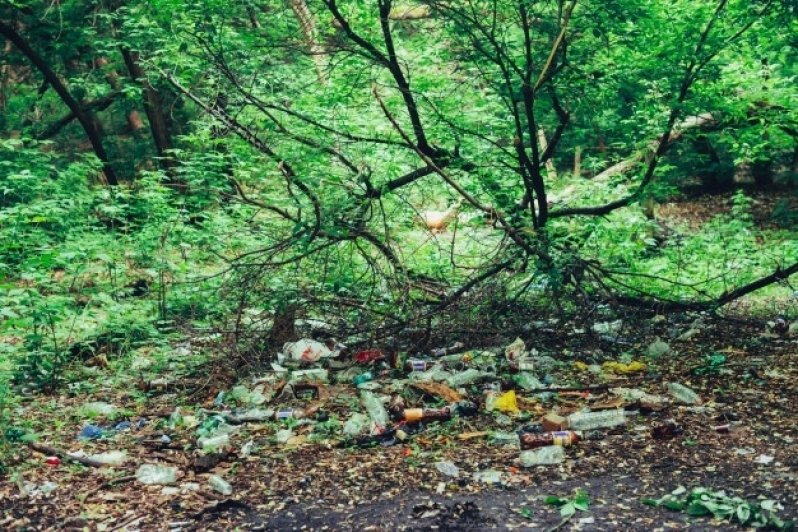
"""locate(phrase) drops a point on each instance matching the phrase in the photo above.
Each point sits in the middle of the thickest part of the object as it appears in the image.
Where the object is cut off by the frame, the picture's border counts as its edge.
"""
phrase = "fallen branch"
(52, 451)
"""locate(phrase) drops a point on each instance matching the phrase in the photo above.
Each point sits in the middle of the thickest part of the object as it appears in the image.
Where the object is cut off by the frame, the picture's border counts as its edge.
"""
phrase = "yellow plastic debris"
(580, 366)
(507, 403)
(634, 366)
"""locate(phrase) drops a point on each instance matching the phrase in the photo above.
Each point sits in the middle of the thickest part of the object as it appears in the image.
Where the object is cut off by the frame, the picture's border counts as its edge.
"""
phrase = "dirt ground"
(318, 483)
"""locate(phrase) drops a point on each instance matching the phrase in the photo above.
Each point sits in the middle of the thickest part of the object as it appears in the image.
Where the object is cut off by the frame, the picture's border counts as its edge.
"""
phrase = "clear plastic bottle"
(597, 420)
(375, 409)
(683, 393)
(552, 454)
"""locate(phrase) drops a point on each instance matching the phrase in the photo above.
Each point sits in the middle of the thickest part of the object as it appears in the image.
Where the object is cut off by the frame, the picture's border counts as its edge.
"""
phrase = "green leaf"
(581, 500)
(743, 513)
(554, 500)
(674, 504)
(697, 509)
(568, 510)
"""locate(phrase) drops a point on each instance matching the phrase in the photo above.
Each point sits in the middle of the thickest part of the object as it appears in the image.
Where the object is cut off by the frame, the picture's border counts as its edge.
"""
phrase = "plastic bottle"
(464, 377)
(375, 409)
(219, 484)
(156, 474)
(552, 454)
(564, 438)
(597, 420)
(683, 393)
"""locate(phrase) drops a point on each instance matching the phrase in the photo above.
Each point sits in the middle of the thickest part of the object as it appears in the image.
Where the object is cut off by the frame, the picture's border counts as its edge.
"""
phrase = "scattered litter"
(90, 432)
(112, 458)
(97, 408)
(152, 474)
(623, 368)
(552, 454)
(448, 468)
(658, 348)
(596, 420)
(683, 394)
(764, 459)
(608, 327)
(219, 484)
(488, 477)
(306, 350)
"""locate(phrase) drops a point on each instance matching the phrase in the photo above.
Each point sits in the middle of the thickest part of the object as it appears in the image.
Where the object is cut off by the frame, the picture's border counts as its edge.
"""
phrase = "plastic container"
(552, 454)
(683, 394)
(597, 420)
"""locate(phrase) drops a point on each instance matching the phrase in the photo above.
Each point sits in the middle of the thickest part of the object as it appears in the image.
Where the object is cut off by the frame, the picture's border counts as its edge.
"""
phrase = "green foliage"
(569, 506)
(700, 502)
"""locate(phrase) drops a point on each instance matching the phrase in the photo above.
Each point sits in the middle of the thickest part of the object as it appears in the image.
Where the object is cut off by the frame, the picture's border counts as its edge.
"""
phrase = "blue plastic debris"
(123, 425)
(90, 432)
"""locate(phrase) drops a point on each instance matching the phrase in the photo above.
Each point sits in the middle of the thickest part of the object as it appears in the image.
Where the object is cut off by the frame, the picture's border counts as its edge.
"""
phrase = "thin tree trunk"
(578, 161)
(308, 25)
(551, 170)
(89, 126)
(154, 110)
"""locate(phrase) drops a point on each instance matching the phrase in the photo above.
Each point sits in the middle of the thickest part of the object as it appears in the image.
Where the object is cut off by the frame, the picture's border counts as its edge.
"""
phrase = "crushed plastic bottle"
(356, 424)
(527, 381)
(462, 378)
(152, 474)
(597, 420)
(112, 458)
(506, 438)
(212, 443)
(447, 468)
(219, 484)
(683, 394)
(375, 409)
(550, 455)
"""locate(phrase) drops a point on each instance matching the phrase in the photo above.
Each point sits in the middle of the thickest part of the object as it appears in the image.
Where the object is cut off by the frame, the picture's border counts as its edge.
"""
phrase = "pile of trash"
(389, 398)
(325, 392)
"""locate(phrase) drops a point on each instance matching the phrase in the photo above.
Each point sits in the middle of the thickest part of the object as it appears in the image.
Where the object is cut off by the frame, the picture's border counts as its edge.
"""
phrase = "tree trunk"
(308, 25)
(154, 110)
(89, 125)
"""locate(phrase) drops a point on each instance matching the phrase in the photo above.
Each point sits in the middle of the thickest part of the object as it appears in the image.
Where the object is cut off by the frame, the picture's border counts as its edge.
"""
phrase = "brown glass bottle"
(414, 415)
(565, 438)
